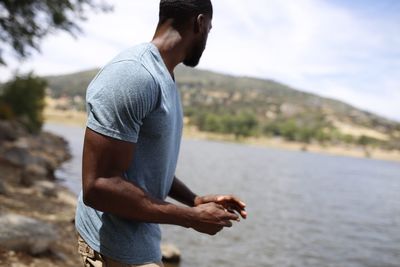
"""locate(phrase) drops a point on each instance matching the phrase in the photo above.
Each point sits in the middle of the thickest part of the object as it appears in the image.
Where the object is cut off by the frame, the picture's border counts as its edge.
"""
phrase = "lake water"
(304, 209)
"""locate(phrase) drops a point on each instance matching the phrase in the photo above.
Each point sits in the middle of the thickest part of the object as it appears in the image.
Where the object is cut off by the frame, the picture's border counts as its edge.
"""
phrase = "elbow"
(86, 200)
(89, 195)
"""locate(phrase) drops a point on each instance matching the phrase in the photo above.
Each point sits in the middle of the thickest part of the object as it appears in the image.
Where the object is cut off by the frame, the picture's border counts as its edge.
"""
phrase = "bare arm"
(106, 159)
(180, 192)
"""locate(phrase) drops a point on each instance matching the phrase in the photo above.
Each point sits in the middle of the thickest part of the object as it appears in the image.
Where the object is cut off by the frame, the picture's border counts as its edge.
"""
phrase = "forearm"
(127, 200)
(180, 192)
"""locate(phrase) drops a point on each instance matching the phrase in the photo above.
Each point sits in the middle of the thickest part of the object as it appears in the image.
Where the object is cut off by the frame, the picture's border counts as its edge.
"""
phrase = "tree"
(244, 125)
(23, 24)
(23, 99)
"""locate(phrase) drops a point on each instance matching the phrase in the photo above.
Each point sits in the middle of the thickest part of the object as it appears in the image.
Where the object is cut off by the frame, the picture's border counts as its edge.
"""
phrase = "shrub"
(23, 99)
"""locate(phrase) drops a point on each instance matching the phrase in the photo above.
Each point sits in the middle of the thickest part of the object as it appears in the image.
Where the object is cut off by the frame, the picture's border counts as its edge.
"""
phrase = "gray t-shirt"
(134, 98)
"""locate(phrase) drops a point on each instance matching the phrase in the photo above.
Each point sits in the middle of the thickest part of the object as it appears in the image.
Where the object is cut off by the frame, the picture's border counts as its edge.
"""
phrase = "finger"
(235, 212)
(209, 198)
(223, 198)
(218, 206)
(230, 216)
(226, 223)
(231, 199)
(233, 205)
(237, 209)
(239, 201)
(243, 213)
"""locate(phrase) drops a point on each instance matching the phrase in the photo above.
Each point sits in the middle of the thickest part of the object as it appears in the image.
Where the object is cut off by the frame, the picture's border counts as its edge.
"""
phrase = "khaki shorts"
(92, 258)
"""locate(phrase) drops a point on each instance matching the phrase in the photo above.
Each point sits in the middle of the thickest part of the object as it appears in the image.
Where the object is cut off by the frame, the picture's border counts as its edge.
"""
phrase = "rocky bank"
(36, 212)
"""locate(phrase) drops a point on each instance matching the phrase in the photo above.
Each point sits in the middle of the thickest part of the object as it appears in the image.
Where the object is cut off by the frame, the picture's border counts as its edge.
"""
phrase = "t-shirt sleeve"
(119, 98)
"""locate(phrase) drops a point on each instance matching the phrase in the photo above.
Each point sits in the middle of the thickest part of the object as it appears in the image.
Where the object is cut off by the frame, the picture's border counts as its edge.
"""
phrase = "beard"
(193, 59)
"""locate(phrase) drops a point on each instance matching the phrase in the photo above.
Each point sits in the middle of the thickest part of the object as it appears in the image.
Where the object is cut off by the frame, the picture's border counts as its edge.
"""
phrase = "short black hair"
(182, 11)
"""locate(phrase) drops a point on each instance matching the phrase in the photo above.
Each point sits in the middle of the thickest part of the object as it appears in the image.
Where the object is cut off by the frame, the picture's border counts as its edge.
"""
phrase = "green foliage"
(304, 128)
(348, 139)
(24, 23)
(367, 140)
(241, 125)
(6, 112)
(23, 99)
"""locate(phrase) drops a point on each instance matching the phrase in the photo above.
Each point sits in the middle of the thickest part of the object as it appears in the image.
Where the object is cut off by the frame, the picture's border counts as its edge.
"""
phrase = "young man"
(132, 143)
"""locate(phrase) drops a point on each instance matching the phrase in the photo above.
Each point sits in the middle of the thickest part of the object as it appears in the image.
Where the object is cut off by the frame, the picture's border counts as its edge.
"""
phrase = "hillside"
(246, 106)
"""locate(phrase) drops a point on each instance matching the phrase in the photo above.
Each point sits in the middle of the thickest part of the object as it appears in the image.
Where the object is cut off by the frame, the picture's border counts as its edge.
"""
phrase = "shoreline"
(36, 212)
(76, 118)
(279, 143)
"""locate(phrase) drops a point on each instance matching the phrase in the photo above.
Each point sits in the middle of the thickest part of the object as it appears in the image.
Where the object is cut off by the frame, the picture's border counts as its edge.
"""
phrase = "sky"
(343, 49)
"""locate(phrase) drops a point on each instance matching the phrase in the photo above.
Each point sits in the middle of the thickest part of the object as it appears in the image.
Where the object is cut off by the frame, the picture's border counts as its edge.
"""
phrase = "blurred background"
(293, 107)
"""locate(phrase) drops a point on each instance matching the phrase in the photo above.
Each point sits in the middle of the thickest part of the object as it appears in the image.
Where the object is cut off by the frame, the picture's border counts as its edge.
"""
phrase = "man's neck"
(171, 46)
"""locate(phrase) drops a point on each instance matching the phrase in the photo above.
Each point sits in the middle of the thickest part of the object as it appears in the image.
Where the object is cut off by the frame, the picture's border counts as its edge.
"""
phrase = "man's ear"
(199, 23)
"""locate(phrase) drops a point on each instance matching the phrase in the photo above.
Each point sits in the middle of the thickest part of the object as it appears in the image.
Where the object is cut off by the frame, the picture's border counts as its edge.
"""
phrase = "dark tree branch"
(23, 24)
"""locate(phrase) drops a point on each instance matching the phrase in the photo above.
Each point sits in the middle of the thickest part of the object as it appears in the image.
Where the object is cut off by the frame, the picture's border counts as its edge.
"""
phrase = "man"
(131, 148)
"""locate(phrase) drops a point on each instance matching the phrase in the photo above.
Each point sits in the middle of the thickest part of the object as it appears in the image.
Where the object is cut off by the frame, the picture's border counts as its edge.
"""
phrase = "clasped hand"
(217, 211)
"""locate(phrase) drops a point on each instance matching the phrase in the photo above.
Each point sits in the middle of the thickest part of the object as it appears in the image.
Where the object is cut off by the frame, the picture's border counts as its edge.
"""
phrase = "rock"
(34, 165)
(7, 133)
(170, 253)
(54, 146)
(49, 160)
(60, 256)
(67, 197)
(36, 170)
(46, 188)
(35, 156)
(25, 234)
(11, 130)
(3, 188)
(9, 172)
(22, 142)
(19, 156)
(33, 172)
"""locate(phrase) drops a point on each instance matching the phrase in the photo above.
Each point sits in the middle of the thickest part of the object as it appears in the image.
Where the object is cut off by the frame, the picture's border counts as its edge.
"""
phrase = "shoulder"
(127, 67)
(126, 76)
(123, 75)
(128, 71)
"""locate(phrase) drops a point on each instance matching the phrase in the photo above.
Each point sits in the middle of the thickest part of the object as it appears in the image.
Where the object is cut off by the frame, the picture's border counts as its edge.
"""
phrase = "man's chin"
(191, 64)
